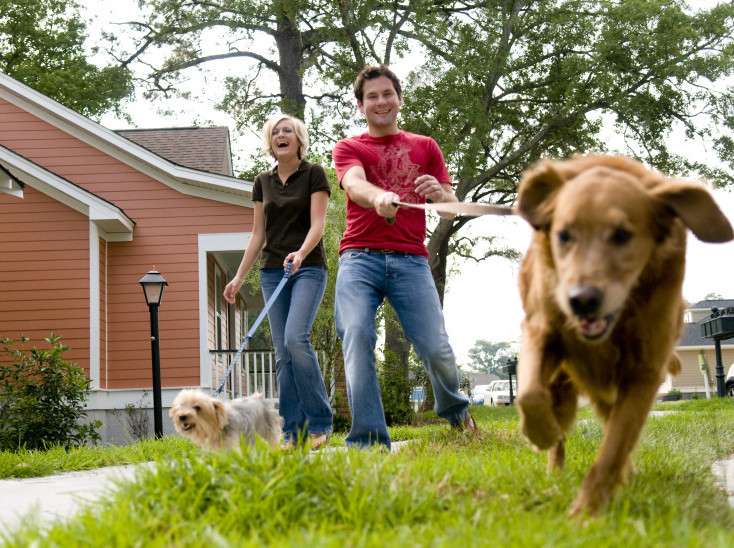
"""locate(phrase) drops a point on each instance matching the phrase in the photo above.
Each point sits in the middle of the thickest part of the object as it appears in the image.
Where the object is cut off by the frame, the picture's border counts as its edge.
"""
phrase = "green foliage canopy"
(490, 357)
(498, 83)
(511, 82)
(42, 45)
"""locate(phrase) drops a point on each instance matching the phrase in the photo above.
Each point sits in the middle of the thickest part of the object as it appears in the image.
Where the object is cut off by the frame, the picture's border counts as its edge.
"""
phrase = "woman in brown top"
(290, 215)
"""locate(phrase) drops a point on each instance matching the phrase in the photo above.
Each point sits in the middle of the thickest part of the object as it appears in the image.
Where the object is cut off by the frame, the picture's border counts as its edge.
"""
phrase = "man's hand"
(384, 204)
(429, 187)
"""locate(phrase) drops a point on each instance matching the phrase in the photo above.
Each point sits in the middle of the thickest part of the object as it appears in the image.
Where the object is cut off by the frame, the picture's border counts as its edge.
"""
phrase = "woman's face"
(284, 141)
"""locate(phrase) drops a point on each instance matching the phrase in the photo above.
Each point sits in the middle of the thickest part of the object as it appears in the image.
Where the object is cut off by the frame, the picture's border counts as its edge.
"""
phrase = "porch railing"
(255, 372)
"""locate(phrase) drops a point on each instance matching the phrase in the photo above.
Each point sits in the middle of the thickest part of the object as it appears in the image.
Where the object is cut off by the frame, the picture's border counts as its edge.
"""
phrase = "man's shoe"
(470, 424)
(318, 440)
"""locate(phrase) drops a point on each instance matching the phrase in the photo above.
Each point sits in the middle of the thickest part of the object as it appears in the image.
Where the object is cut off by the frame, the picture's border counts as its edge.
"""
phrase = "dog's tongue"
(593, 328)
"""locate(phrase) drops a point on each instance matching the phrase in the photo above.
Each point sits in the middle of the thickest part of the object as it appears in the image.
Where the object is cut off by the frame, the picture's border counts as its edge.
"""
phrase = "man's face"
(380, 103)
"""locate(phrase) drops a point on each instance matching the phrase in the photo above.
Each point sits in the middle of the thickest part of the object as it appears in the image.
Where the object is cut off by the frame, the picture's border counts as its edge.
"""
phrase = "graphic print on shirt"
(395, 172)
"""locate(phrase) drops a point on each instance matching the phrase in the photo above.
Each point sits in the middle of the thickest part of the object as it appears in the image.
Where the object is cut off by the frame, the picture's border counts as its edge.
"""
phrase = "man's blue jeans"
(364, 280)
(303, 402)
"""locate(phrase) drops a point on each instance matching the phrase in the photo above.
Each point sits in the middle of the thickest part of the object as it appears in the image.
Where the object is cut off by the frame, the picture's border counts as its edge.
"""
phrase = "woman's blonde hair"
(298, 126)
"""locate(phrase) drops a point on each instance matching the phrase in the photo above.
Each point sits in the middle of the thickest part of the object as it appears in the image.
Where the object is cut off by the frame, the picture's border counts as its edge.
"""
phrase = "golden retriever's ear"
(537, 186)
(697, 209)
(220, 412)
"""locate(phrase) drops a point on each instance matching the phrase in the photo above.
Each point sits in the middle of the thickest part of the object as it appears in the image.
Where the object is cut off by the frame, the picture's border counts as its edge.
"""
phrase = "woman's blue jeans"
(364, 280)
(303, 402)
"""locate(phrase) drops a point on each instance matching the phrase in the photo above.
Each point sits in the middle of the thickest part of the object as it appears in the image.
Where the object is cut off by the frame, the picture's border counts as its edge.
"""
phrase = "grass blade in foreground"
(444, 490)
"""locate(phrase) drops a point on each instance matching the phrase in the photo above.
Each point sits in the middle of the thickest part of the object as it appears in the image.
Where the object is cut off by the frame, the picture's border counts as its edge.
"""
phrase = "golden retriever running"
(601, 288)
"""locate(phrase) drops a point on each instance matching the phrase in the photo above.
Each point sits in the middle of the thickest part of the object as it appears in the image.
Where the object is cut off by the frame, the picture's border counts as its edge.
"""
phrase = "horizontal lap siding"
(44, 273)
(165, 238)
(691, 375)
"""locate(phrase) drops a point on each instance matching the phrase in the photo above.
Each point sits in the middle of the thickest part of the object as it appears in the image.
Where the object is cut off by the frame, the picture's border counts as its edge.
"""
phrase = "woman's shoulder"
(266, 175)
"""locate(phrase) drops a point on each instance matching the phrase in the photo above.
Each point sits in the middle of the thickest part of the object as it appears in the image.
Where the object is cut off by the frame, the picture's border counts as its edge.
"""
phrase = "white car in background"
(498, 393)
(730, 382)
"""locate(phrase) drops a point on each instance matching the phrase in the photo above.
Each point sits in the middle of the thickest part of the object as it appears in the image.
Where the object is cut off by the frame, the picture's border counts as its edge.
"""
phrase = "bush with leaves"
(42, 398)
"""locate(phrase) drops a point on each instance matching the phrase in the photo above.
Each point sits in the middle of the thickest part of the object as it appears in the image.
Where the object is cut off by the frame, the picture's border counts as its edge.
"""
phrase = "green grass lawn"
(445, 489)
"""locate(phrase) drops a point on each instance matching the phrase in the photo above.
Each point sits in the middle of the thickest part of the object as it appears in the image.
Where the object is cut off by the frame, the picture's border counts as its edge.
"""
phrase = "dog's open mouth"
(187, 426)
(595, 328)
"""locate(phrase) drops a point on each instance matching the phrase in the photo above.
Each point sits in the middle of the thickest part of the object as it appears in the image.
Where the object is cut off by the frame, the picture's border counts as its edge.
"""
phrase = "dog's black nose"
(183, 418)
(585, 300)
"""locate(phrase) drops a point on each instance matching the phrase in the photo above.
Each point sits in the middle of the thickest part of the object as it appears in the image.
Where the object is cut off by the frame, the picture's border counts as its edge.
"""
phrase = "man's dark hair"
(372, 72)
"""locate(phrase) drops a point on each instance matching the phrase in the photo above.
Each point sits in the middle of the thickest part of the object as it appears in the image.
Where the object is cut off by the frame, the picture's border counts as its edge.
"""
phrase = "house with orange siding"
(85, 212)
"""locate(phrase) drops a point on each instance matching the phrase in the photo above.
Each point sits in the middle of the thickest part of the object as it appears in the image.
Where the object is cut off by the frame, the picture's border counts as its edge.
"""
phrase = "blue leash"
(254, 327)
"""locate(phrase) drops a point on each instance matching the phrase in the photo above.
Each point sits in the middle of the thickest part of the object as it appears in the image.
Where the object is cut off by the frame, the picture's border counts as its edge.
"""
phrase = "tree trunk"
(394, 378)
(438, 249)
(438, 246)
(291, 55)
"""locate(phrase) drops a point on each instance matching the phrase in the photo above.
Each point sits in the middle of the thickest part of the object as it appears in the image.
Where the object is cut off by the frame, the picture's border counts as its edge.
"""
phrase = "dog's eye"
(564, 236)
(621, 236)
(197, 408)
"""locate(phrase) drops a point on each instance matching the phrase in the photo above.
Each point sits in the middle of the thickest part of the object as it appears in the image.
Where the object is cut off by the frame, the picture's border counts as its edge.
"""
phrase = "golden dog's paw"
(588, 504)
(537, 420)
(595, 493)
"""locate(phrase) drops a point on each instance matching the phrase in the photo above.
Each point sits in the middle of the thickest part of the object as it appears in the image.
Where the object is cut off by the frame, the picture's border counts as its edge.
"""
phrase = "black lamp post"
(511, 369)
(719, 326)
(153, 285)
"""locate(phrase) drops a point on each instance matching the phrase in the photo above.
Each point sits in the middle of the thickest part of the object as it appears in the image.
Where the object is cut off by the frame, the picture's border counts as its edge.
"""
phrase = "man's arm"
(362, 192)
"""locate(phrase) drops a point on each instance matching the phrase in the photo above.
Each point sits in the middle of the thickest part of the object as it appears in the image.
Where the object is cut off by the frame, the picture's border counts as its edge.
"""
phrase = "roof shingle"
(202, 148)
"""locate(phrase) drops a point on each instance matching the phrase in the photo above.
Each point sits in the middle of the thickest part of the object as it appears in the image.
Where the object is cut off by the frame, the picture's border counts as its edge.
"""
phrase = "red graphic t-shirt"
(392, 163)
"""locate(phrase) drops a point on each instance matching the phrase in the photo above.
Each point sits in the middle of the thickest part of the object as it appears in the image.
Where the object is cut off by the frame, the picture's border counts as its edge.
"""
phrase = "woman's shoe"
(318, 440)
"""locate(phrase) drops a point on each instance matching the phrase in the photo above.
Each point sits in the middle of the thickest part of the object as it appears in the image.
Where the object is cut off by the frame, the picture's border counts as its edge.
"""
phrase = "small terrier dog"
(213, 424)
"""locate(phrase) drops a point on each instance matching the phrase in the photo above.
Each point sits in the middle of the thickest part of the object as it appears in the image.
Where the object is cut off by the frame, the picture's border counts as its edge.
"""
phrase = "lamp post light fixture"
(153, 286)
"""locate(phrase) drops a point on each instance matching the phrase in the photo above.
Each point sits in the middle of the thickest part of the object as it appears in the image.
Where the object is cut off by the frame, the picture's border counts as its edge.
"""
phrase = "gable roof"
(194, 182)
(112, 221)
(708, 305)
(202, 148)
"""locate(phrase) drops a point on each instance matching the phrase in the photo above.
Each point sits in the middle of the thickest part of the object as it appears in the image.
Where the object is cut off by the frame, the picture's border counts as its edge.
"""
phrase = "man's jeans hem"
(456, 414)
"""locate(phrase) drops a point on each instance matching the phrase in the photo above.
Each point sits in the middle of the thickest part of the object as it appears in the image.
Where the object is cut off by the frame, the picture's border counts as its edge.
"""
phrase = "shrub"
(42, 398)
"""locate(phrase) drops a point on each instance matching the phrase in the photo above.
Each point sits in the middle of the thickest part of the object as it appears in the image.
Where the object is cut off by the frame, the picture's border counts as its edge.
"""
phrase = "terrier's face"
(197, 415)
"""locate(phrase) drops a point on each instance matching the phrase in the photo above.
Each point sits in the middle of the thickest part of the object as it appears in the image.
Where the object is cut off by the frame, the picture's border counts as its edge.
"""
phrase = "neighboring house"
(100, 209)
(481, 378)
(692, 380)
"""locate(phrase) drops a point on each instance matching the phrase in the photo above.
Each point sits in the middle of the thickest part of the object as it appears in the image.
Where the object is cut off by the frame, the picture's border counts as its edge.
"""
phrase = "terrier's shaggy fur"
(214, 424)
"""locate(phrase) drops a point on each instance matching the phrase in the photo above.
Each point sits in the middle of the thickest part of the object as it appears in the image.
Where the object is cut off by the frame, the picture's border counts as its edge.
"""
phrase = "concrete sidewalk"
(60, 496)
(723, 470)
(56, 497)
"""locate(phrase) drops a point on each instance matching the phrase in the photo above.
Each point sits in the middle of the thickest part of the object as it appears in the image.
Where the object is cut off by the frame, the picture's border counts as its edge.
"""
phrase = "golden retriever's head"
(604, 218)
(197, 415)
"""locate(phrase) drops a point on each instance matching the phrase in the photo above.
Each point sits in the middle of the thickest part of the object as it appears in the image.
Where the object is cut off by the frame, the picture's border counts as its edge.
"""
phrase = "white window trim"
(209, 243)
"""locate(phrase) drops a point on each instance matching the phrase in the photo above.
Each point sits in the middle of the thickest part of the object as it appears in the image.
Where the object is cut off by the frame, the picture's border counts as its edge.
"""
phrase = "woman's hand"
(296, 258)
(232, 288)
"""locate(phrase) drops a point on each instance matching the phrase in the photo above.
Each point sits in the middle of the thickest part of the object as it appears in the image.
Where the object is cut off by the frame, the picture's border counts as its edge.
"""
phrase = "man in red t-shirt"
(380, 259)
